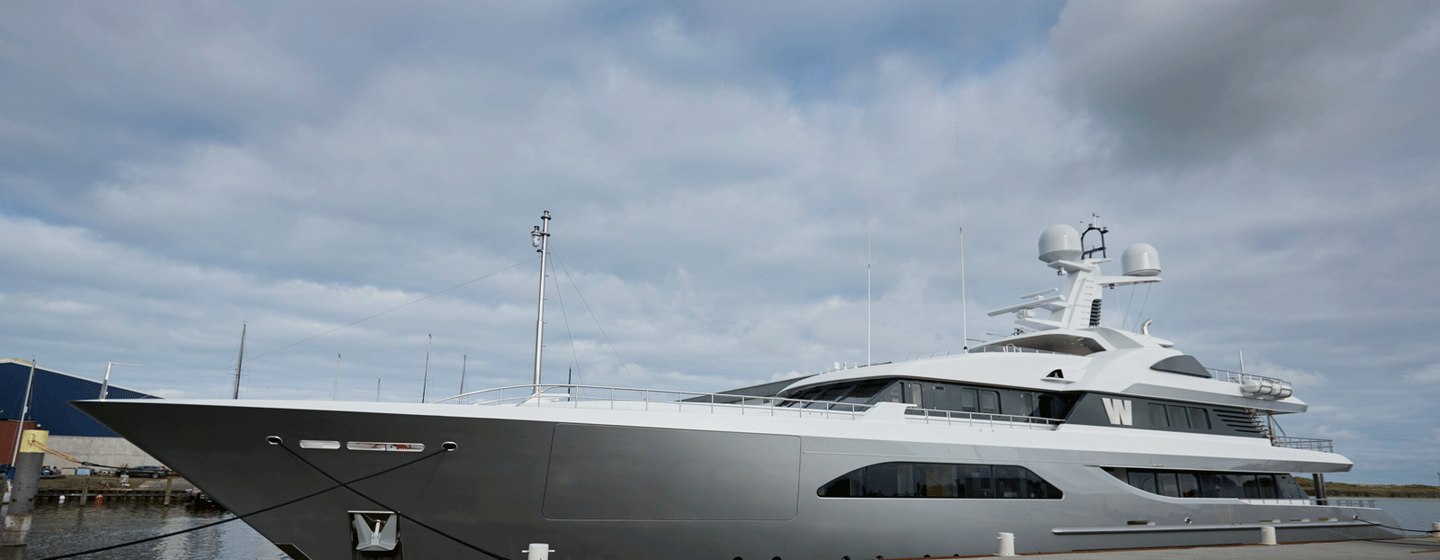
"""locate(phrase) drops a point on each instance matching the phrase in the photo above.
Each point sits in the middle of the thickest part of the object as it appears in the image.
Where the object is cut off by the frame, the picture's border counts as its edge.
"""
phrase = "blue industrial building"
(50, 399)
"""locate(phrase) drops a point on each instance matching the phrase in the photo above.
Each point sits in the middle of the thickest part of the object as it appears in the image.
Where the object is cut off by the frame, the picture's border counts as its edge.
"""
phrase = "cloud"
(1428, 375)
(1279, 81)
(716, 173)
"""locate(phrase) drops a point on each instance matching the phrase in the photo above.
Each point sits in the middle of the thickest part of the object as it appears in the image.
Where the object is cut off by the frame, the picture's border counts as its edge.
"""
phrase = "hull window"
(1202, 484)
(940, 480)
(384, 446)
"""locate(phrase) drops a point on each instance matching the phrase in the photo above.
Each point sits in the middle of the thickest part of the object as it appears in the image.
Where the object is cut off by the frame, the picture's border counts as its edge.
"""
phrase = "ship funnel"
(1141, 259)
(1059, 242)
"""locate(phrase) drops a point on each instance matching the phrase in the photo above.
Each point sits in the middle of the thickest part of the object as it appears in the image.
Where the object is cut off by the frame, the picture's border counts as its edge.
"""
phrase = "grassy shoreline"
(1345, 489)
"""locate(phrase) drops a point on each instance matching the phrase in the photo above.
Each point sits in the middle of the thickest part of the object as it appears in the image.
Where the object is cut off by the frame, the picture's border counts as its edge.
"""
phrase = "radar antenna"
(1094, 226)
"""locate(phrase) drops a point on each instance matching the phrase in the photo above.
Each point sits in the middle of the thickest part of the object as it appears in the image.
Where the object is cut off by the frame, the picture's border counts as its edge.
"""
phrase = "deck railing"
(1241, 378)
(625, 398)
(629, 398)
(984, 419)
(1311, 444)
(1346, 502)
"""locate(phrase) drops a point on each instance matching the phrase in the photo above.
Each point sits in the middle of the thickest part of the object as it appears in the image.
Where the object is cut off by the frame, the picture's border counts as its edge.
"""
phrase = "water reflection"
(65, 528)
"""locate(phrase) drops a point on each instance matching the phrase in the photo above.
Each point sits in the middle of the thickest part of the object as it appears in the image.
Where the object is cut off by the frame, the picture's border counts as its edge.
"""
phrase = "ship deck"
(1341, 550)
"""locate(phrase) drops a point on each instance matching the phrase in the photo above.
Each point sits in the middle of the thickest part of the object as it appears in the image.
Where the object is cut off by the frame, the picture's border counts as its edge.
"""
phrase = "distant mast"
(540, 239)
(239, 363)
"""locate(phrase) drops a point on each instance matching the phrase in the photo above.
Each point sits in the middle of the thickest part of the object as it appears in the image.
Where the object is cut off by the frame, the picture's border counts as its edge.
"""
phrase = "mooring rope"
(447, 447)
(1368, 522)
(256, 512)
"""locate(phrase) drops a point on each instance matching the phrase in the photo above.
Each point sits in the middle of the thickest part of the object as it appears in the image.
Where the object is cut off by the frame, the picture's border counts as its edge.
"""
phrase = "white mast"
(239, 362)
(960, 217)
(868, 299)
(425, 383)
(540, 239)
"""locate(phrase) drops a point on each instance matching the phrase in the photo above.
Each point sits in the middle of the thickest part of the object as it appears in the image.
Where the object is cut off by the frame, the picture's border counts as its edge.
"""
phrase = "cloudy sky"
(170, 171)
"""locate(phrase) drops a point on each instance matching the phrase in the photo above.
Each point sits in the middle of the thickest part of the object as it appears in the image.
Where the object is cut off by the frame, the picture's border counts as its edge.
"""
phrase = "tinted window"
(1266, 485)
(889, 480)
(831, 393)
(1179, 417)
(935, 480)
(1167, 485)
(940, 480)
(1289, 489)
(912, 394)
(1199, 419)
(893, 393)
(1010, 483)
(975, 482)
(849, 485)
(1028, 404)
(865, 391)
(1143, 480)
(970, 400)
(940, 397)
(1189, 485)
(1252, 488)
(1224, 486)
(1158, 417)
(990, 402)
(1052, 407)
(1261, 486)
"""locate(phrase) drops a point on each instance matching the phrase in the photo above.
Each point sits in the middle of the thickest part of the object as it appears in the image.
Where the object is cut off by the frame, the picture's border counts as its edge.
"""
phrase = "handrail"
(624, 398)
(1311, 444)
(1241, 378)
(984, 418)
(572, 395)
(1348, 502)
(1011, 348)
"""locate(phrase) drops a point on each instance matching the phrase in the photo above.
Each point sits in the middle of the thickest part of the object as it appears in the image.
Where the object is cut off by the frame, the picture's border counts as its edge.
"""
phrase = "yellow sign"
(30, 438)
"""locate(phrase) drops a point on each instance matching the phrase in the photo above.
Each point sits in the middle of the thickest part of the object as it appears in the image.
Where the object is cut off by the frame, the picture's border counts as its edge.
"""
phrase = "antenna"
(335, 388)
(868, 299)
(425, 382)
(239, 362)
(960, 217)
(463, 359)
(1094, 226)
(540, 239)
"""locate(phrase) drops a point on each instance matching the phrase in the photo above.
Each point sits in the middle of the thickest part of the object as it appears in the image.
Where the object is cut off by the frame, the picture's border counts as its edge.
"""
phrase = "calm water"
(61, 529)
(72, 527)
(1412, 513)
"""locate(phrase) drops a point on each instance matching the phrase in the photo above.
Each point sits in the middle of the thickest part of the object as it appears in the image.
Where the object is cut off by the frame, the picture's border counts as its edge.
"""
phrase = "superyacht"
(1070, 435)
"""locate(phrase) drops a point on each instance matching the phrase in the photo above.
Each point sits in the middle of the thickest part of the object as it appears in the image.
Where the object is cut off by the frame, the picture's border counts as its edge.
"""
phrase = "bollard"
(1267, 535)
(537, 551)
(1435, 530)
(62, 498)
(99, 500)
(1007, 544)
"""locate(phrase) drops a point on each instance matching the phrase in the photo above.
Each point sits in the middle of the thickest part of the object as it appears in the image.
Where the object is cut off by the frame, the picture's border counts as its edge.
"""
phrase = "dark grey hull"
(605, 492)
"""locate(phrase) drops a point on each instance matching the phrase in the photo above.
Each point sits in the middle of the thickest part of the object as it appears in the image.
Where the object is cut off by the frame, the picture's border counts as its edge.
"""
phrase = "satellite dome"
(1141, 259)
(1059, 242)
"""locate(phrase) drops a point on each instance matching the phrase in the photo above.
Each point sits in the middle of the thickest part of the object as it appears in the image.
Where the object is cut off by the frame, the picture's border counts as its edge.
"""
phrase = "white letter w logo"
(1119, 411)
